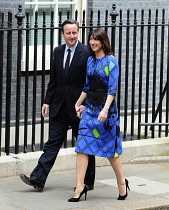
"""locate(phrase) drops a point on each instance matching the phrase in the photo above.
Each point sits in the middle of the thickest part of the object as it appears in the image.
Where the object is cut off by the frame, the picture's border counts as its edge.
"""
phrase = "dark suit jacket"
(68, 89)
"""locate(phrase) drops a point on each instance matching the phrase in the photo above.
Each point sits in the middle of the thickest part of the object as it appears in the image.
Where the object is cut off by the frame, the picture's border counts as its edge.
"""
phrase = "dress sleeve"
(86, 85)
(113, 76)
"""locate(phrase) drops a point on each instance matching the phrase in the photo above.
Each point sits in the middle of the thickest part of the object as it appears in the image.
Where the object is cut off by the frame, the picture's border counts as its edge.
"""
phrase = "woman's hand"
(102, 116)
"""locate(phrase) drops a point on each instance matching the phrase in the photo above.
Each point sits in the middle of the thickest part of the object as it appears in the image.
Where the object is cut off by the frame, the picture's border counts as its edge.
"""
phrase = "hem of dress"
(98, 155)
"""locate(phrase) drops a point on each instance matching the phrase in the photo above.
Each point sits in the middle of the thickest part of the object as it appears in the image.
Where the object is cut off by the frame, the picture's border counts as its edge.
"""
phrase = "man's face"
(70, 34)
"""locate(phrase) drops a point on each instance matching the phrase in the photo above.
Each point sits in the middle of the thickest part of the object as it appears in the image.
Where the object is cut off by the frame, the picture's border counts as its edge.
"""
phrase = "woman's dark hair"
(101, 35)
(70, 21)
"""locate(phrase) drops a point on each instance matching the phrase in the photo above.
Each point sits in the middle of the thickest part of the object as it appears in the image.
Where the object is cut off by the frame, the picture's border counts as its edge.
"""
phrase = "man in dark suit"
(67, 79)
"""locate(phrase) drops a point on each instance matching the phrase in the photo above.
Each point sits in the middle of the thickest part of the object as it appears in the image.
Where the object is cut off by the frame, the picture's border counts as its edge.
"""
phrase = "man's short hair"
(70, 21)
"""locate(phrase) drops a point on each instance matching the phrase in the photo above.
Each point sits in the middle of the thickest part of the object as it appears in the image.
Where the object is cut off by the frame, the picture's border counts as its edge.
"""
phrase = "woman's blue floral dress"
(100, 138)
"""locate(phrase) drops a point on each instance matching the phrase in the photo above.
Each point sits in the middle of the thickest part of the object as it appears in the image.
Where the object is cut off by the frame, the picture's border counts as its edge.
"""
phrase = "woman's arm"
(103, 114)
(112, 88)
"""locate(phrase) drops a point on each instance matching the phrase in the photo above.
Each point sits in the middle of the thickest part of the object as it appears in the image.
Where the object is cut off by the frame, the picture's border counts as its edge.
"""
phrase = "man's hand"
(79, 110)
(45, 109)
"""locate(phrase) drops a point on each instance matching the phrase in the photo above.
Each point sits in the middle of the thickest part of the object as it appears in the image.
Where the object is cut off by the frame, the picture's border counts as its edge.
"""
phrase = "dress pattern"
(100, 138)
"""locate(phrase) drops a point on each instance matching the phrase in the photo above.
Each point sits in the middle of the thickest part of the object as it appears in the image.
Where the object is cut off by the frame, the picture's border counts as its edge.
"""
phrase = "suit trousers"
(57, 133)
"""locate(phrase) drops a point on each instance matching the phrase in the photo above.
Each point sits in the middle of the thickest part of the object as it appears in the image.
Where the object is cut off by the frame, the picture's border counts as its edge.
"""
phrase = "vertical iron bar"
(65, 142)
(133, 73)
(19, 17)
(147, 74)
(51, 49)
(106, 20)
(119, 62)
(68, 14)
(43, 77)
(126, 75)
(83, 28)
(26, 84)
(161, 70)
(18, 88)
(8, 84)
(73, 140)
(98, 18)
(76, 14)
(34, 81)
(154, 72)
(91, 20)
(113, 15)
(140, 73)
(60, 26)
(1, 73)
(167, 85)
(51, 38)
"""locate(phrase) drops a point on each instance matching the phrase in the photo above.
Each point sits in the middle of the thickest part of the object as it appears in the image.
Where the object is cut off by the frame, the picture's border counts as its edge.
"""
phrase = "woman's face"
(95, 44)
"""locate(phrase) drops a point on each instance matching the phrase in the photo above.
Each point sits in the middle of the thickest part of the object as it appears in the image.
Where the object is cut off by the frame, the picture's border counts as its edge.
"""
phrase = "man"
(67, 79)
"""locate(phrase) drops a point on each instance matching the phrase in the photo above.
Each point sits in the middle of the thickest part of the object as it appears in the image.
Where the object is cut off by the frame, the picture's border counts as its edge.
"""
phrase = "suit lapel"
(60, 61)
(61, 57)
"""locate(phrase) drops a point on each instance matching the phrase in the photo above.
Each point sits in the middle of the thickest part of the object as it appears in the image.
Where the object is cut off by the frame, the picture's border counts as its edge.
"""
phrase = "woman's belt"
(98, 90)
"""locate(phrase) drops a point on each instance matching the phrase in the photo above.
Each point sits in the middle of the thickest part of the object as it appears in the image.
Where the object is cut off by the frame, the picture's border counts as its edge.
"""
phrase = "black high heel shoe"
(122, 197)
(84, 191)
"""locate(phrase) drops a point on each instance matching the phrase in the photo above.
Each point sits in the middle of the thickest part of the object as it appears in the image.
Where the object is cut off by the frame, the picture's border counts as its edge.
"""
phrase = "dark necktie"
(67, 62)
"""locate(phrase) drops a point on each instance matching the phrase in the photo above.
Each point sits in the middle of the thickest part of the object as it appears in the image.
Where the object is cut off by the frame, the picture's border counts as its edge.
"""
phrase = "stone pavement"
(148, 181)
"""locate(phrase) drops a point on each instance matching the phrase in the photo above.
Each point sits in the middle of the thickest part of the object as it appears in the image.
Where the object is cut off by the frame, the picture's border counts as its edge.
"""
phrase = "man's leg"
(90, 173)
(57, 133)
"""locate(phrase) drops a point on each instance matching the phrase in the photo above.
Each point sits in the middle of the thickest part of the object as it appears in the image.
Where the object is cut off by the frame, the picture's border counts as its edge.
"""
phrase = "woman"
(99, 132)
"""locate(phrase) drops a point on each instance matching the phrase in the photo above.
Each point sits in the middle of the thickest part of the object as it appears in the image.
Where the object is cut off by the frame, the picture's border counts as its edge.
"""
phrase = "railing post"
(126, 79)
(26, 83)
(35, 80)
(19, 17)
(60, 28)
(8, 84)
(1, 70)
(154, 73)
(119, 60)
(43, 77)
(98, 20)
(113, 15)
(106, 20)
(141, 73)
(91, 20)
(52, 37)
(83, 27)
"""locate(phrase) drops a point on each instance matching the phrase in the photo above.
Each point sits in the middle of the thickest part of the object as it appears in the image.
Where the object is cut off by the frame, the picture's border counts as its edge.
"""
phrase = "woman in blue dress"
(99, 132)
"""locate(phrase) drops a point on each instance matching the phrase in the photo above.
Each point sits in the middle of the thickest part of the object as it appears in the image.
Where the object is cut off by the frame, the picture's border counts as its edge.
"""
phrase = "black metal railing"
(141, 46)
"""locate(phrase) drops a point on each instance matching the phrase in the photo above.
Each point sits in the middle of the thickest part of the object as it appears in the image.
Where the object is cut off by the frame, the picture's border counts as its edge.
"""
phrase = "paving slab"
(149, 185)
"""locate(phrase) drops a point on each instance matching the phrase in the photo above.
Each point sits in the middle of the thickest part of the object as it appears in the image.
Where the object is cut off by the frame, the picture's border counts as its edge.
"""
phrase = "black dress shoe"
(84, 191)
(122, 197)
(32, 181)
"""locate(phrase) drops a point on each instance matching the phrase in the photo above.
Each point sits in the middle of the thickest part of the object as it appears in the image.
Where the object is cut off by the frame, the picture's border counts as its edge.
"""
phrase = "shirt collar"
(72, 48)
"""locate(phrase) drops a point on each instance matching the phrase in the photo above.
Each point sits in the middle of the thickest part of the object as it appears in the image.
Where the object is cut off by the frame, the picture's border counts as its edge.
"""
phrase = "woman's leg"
(81, 166)
(117, 167)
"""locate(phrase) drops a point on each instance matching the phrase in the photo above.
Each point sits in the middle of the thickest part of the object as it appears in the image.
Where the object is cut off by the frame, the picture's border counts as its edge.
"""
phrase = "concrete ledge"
(133, 151)
(144, 148)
